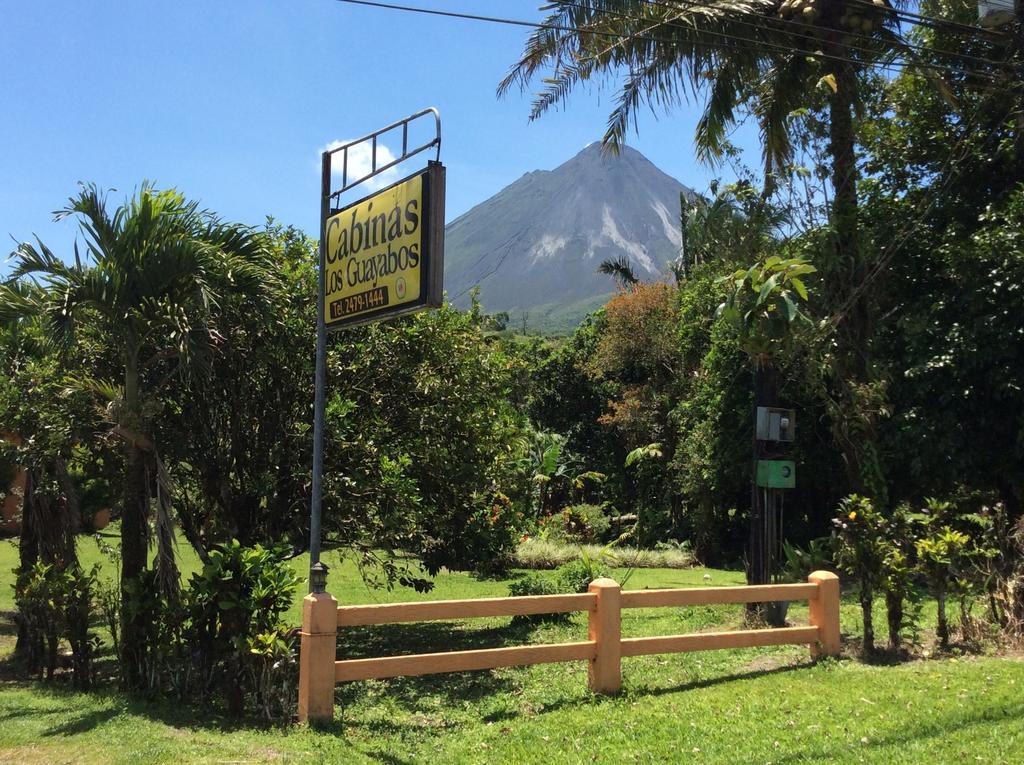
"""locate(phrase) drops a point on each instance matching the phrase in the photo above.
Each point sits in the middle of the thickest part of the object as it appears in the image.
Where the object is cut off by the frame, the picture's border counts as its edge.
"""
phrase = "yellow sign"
(378, 258)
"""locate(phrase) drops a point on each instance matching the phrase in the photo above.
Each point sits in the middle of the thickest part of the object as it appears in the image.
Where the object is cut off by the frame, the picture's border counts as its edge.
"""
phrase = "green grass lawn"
(740, 706)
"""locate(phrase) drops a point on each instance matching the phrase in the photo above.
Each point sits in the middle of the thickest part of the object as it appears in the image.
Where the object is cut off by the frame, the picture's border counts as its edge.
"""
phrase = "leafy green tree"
(637, 356)
(862, 544)
(154, 269)
(737, 224)
(423, 445)
(711, 461)
(237, 438)
(46, 428)
(764, 301)
(746, 59)
(566, 399)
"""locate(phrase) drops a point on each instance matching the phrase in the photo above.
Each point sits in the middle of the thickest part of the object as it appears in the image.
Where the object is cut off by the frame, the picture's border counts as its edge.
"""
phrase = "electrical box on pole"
(775, 424)
(995, 13)
(776, 474)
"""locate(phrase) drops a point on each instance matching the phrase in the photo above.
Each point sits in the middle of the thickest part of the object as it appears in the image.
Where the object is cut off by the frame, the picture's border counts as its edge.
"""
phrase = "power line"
(934, 21)
(781, 22)
(905, 15)
(909, 227)
(642, 36)
(891, 66)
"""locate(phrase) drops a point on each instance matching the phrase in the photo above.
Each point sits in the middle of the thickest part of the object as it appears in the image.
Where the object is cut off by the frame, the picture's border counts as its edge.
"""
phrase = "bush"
(862, 546)
(801, 563)
(536, 584)
(533, 584)
(225, 639)
(582, 524)
(157, 661)
(577, 575)
(234, 607)
(53, 605)
(490, 536)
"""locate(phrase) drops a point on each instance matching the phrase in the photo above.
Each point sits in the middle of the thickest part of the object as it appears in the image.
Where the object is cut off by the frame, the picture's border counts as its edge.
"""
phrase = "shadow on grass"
(421, 693)
(84, 723)
(711, 682)
(415, 699)
(936, 727)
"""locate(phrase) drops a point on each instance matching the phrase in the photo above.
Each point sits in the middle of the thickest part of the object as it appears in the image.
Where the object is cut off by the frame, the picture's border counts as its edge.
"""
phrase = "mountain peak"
(535, 246)
(595, 149)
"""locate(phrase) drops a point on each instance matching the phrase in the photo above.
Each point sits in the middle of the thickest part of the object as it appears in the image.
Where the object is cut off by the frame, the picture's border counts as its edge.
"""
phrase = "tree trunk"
(134, 511)
(894, 614)
(856, 431)
(942, 629)
(28, 555)
(133, 530)
(867, 599)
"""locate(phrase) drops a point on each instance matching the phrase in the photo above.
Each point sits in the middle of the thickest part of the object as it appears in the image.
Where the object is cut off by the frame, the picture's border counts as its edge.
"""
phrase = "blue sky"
(231, 102)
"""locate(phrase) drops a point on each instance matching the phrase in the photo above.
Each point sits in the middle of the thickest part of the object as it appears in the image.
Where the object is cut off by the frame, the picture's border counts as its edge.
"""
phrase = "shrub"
(951, 551)
(577, 575)
(800, 562)
(224, 639)
(940, 554)
(55, 604)
(157, 661)
(536, 584)
(898, 581)
(582, 524)
(234, 607)
(491, 534)
(861, 548)
(533, 584)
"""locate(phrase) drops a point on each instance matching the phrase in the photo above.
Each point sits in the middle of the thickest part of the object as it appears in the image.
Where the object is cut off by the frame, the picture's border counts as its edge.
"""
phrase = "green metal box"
(776, 474)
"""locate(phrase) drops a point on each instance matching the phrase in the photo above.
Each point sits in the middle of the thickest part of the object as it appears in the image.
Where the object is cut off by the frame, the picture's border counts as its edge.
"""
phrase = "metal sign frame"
(317, 570)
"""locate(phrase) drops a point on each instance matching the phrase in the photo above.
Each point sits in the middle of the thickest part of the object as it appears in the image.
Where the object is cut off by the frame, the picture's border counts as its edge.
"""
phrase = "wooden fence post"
(317, 654)
(605, 629)
(824, 608)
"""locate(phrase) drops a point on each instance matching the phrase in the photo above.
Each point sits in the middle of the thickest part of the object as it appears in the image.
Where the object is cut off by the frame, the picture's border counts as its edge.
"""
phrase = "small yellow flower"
(853, 515)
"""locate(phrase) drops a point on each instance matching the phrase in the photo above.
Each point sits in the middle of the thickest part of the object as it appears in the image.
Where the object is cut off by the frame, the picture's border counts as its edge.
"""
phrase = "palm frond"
(18, 301)
(619, 269)
(105, 389)
(737, 52)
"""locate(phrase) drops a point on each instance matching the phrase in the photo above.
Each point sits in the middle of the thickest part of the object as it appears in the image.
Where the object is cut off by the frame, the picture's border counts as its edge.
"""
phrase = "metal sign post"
(317, 570)
(370, 283)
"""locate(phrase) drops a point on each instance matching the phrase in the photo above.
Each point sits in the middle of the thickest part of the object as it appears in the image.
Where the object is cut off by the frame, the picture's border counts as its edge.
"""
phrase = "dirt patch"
(30, 755)
(767, 663)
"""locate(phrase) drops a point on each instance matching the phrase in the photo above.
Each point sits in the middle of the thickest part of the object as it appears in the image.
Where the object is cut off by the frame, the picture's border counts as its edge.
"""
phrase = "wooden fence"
(320, 671)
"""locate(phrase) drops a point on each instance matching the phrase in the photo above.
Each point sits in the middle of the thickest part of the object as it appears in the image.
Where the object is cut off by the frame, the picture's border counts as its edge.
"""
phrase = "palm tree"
(737, 222)
(767, 58)
(153, 272)
(621, 270)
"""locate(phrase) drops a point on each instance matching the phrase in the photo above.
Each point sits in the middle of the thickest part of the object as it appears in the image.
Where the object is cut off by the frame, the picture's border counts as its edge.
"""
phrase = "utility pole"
(759, 564)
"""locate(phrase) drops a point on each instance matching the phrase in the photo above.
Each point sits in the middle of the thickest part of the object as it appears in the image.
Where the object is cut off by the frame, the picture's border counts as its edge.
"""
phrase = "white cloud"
(360, 163)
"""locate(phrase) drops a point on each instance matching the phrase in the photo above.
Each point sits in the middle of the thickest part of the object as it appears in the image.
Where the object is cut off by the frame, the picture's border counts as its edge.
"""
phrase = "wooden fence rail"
(320, 671)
